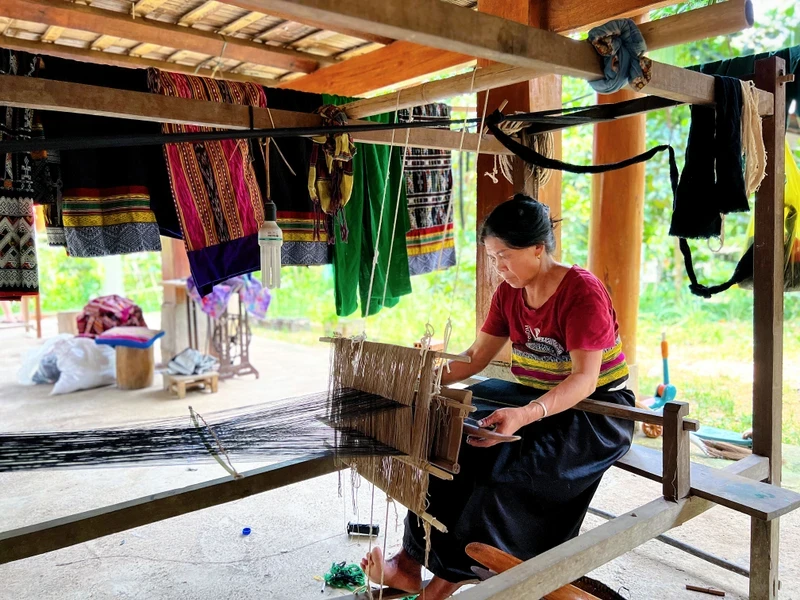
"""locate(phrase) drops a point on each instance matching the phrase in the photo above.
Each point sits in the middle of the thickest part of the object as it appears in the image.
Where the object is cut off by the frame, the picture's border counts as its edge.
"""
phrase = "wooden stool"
(135, 367)
(178, 384)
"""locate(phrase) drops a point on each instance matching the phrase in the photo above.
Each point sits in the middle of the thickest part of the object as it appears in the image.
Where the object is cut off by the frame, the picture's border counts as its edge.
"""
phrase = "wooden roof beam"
(85, 18)
(445, 26)
(123, 60)
(380, 68)
(44, 94)
(710, 21)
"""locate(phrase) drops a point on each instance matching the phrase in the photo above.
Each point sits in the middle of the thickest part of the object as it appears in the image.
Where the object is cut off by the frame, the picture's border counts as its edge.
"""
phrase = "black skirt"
(523, 497)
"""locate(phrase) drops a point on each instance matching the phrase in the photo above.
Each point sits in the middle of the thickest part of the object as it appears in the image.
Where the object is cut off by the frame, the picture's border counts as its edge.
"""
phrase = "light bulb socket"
(270, 211)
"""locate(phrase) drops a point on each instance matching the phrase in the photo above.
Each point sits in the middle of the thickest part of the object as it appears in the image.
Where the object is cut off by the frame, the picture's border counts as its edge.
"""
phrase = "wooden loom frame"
(481, 35)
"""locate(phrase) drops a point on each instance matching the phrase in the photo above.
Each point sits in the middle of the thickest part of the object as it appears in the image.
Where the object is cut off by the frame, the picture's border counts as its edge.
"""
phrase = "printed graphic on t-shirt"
(543, 348)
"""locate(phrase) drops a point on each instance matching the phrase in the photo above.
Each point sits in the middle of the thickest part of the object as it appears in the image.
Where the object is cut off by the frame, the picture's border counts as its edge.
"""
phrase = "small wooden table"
(178, 384)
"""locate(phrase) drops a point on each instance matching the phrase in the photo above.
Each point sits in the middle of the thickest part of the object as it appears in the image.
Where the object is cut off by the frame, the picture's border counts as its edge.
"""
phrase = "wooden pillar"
(174, 265)
(617, 221)
(539, 94)
(768, 327)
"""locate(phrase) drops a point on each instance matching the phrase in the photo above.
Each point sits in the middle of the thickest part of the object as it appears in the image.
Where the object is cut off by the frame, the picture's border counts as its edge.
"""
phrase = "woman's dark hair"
(521, 222)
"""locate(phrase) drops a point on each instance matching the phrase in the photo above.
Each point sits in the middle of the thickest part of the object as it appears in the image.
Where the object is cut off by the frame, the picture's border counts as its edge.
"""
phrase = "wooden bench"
(179, 384)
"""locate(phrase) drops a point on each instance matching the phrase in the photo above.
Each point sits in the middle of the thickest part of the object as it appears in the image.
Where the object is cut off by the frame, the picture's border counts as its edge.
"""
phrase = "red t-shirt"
(578, 316)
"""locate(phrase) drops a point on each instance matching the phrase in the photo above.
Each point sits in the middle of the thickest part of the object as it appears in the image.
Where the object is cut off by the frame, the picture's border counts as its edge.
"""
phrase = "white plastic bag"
(33, 358)
(84, 365)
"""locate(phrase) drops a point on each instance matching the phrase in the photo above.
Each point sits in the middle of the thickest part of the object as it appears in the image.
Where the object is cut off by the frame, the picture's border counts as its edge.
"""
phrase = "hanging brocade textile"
(213, 183)
(18, 188)
(289, 186)
(104, 207)
(429, 186)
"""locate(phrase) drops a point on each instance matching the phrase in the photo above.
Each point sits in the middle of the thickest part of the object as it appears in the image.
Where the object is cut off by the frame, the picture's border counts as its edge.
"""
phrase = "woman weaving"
(527, 496)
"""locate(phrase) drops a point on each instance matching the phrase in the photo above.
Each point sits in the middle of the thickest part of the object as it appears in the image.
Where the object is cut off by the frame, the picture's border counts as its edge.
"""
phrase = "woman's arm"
(582, 382)
(483, 350)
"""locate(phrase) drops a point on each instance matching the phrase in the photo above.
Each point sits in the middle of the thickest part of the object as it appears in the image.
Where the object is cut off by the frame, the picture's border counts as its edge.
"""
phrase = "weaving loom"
(425, 427)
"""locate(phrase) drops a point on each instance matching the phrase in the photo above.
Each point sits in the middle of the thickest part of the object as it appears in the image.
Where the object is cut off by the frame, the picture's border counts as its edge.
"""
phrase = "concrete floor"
(297, 531)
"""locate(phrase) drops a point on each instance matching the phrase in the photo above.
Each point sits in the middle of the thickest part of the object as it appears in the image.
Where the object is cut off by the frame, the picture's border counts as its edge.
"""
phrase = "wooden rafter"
(199, 13)
(317, 24)
(483, 79)
(145, 7)
(713, 20)
(104, 42)
(122, 60)
(85, 18)
(580, 15)
(43, 94)
(378, 69)
(241, 23)
(441, 25)
(52, 34)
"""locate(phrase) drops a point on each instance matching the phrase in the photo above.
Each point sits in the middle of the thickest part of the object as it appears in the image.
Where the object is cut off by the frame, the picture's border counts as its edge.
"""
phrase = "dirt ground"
(297, 531)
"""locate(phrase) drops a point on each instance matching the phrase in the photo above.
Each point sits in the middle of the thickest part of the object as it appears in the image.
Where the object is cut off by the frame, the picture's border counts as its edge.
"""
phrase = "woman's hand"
(507, 421)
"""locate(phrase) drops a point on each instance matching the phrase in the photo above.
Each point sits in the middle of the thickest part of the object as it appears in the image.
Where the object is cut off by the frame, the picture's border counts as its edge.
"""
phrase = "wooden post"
(768, 326)
(617, 219)
(676, 479)
(174, 322)
(539, 94)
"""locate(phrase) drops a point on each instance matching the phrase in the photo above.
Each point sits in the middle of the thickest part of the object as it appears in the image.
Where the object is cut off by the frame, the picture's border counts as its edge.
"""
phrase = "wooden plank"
(59, 533)
(85, 18)
(632, 413)
(768, 324)
(123, 60)
(567, 562)
(579, 15)
(52, 34)
(144, 7)
(575, 558)
(104, 42)
(144, 49)
(675, 454)
(199, 13)
(241, 23)
(44, 94)
(722, 18)
(737, 492)
(366, 35)
(456, 29)
(384, 67)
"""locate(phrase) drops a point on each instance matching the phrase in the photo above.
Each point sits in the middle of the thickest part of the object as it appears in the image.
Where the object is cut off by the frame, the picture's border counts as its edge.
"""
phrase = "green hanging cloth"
(352, 261)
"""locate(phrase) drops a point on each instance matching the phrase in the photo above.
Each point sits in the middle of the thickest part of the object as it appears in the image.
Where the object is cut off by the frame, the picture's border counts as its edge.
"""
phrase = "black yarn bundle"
(291, 427)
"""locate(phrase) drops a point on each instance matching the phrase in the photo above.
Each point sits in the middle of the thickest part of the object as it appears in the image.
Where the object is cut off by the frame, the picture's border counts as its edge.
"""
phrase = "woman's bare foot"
(400, 572)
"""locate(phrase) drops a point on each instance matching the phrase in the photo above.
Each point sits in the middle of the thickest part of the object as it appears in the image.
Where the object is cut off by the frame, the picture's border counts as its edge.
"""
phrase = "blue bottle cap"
(246, 531)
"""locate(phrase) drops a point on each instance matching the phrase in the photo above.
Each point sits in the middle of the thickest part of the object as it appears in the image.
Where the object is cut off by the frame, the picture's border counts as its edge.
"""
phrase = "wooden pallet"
(179, 384)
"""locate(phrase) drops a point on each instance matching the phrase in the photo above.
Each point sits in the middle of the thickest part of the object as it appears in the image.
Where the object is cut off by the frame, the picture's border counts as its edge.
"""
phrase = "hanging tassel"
(270, 236)
(270, 239)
